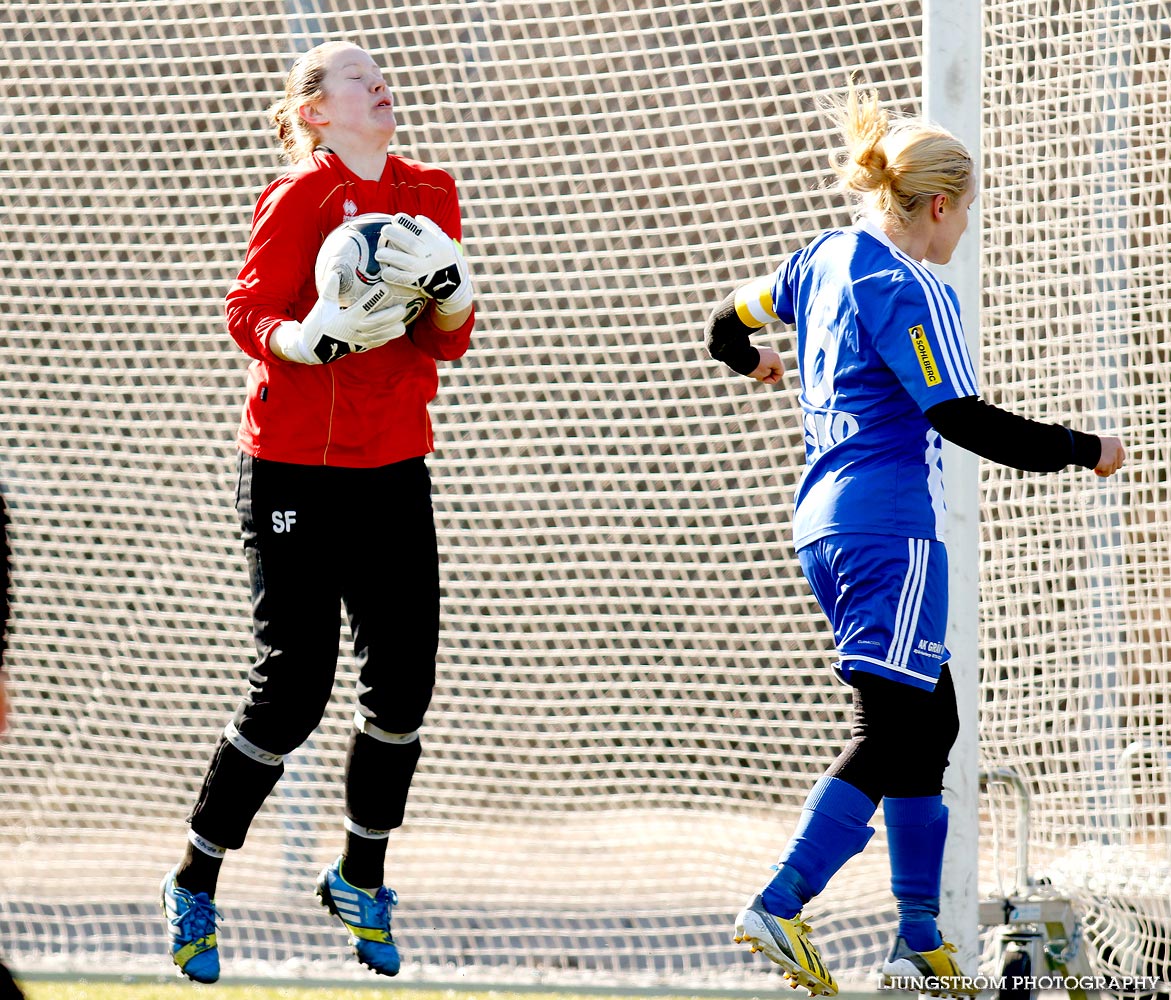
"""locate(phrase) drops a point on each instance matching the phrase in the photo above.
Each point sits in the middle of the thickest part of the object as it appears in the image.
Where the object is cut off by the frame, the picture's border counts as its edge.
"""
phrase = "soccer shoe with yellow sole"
(786, 942)
(192, 917)
(933, 972)
(366, 916)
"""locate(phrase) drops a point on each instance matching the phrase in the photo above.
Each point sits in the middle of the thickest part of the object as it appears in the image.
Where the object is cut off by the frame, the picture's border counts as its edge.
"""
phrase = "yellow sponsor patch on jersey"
(926, 359)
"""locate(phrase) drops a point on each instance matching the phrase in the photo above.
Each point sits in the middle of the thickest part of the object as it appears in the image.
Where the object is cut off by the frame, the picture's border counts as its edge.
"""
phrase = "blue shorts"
(886, 598)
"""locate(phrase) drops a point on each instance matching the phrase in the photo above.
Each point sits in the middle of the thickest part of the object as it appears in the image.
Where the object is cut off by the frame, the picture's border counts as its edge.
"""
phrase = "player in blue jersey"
(885, 375)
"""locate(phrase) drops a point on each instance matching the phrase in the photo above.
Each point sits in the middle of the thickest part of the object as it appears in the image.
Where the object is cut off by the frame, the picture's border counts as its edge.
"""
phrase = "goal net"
(635, 690)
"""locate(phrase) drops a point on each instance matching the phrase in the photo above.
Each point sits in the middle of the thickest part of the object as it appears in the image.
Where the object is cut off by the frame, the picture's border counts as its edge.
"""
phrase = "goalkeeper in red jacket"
(334, 495)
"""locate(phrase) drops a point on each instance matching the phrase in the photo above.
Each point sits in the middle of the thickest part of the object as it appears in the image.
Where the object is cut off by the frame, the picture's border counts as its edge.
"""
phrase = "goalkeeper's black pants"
(318, 539)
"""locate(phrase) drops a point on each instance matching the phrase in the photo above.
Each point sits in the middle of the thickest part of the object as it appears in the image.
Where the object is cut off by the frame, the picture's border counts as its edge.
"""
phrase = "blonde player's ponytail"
(892, 164)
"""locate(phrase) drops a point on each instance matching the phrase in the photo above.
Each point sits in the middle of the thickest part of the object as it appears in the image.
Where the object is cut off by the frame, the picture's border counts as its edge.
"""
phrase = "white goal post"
(952, 96)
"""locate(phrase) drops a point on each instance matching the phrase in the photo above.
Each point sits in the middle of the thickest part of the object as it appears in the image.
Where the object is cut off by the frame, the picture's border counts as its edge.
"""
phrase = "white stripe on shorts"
(910, 602)
(856, 658)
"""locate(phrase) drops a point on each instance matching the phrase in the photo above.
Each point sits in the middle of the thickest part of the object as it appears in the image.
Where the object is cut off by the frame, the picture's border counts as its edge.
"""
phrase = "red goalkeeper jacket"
(363, 410)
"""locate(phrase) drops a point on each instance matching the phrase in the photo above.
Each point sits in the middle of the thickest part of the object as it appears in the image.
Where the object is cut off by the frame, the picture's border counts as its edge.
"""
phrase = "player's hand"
(770, 369)
(1113, 457)
(415, 251)
(330, 332)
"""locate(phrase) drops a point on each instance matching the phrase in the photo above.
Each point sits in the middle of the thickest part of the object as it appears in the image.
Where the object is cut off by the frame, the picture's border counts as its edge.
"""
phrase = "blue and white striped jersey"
(879, 341)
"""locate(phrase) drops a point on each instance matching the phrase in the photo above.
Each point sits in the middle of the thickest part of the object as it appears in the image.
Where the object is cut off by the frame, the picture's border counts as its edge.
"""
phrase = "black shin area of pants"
(233, 791)
(901, 737)
(378, 778)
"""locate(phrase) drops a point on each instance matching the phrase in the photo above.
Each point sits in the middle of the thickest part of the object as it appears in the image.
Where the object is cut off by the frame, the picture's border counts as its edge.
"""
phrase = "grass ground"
(177, 990)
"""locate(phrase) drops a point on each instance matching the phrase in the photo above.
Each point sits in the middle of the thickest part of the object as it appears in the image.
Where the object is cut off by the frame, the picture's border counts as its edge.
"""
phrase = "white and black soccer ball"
(349, 250)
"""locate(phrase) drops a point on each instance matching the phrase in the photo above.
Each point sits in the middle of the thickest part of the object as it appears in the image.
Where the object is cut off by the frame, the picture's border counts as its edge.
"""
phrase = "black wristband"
(1087, 449)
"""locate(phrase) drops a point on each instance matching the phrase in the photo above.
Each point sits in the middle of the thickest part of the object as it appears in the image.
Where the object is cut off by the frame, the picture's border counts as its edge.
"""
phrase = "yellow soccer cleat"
(933, 972)
(786, 942)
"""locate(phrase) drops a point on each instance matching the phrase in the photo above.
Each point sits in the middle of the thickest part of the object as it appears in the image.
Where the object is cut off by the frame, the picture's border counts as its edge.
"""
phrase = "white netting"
(1075, 576)
(634, 693)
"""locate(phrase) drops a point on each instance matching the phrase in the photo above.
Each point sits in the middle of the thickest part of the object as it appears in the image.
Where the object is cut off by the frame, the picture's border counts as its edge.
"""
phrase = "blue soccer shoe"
(366, 916)
(192, 918)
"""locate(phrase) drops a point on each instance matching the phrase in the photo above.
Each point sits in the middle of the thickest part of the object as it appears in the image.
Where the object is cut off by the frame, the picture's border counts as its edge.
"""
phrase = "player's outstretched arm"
(1030, 445)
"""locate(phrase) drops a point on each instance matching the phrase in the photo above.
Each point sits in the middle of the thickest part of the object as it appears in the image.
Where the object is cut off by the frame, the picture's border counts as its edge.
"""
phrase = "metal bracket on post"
(1039, 933)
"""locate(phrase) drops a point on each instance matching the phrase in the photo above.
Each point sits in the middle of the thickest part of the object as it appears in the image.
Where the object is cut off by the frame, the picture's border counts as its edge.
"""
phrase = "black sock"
(363, 861)
(198, 872)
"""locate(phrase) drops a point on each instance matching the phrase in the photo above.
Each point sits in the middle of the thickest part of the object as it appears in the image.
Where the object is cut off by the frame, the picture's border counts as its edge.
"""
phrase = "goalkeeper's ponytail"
(304, 85)
(893, 164)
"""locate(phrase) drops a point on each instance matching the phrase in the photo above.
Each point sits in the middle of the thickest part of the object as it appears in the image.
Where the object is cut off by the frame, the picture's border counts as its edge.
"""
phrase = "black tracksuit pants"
(317, 539)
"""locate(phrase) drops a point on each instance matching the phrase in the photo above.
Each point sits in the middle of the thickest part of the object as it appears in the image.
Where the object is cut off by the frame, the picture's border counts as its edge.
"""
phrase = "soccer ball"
(349, 250)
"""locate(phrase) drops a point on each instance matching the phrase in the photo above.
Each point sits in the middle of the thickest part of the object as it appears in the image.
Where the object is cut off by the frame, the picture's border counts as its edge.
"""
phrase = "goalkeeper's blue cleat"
(786, 942)
(192, 918)
(366, 916)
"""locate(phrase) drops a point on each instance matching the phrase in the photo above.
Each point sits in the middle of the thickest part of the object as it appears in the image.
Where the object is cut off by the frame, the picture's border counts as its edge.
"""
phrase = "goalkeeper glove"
(415, 251)
(330, 332)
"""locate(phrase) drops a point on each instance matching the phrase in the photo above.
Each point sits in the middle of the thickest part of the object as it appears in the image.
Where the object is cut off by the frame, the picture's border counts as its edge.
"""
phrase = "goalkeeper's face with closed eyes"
(354, 97)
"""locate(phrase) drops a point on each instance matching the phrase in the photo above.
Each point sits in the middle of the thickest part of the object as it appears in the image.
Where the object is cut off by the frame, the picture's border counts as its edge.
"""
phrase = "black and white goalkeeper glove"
(415, 251)
(330, 332)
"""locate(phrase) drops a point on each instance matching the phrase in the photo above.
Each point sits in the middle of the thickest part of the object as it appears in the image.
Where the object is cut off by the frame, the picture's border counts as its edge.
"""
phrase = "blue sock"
(832, 830)
(916, 830)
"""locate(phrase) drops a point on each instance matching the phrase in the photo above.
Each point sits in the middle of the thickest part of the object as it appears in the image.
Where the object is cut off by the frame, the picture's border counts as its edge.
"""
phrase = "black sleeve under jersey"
(727, 338)
(970, 423)
(1012, 440)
